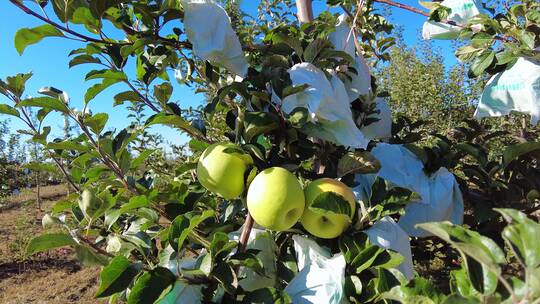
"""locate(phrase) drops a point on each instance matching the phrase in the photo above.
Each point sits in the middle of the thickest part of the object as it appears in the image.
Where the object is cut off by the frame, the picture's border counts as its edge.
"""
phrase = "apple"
(221, 172)
(329, 225)
(275, 199)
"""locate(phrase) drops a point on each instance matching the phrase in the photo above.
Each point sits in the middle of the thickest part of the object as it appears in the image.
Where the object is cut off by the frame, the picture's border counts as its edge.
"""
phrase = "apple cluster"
(275, 198)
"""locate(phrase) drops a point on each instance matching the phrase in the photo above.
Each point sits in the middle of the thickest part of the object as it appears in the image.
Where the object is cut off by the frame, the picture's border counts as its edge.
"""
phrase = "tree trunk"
(38, 190)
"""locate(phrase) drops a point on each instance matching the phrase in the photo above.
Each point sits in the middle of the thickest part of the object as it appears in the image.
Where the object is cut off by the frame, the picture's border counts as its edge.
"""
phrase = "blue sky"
(48, 61)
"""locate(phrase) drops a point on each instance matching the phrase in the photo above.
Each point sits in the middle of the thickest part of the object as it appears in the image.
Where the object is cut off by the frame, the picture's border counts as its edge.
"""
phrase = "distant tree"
(422, 88)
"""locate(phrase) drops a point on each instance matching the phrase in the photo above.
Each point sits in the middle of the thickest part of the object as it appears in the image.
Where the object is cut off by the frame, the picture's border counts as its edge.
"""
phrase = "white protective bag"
(262, 240)
(360, 82)
(341, 39)
(321, 276)
(209, 29)
(461, 12)
(382, 128)
(327, 105)
(446, 204)
(516, 89)
(386, 234)
(440, 196)
(402, 168)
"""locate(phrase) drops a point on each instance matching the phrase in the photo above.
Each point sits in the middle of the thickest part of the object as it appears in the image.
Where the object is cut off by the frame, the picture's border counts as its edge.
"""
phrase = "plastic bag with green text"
(516, 89)
(461, 12)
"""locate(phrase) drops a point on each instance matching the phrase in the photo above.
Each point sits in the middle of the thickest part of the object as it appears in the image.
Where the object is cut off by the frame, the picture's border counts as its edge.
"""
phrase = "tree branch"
(423, 13)
(61, 27)
(403, 6)
(305, 10)
(94, 246)
(246, 230)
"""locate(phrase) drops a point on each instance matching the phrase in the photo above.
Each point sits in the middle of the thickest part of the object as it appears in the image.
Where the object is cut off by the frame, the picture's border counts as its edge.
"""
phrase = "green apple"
(275, 199)
(223, 172)
(329, 225)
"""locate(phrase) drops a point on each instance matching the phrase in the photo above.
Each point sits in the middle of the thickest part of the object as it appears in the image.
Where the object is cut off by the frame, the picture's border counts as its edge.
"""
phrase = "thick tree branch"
(305, 10)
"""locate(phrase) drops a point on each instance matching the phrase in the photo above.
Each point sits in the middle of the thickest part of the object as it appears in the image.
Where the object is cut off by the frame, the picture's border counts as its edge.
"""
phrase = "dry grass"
(52, 277)
(29, 196)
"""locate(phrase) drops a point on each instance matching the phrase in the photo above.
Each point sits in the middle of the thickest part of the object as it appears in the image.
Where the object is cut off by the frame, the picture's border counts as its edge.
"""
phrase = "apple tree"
(299, 185)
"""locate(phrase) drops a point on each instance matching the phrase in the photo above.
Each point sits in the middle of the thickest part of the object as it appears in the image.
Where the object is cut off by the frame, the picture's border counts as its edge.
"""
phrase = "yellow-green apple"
(223, 172)
(275, 199)
(327, 225)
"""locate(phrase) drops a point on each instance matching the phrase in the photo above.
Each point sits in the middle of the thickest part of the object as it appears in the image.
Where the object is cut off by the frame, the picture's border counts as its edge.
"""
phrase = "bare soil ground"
(52, 277)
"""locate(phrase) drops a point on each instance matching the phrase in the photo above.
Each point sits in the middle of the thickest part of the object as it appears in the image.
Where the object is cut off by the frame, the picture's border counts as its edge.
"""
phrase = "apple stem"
(244, 236)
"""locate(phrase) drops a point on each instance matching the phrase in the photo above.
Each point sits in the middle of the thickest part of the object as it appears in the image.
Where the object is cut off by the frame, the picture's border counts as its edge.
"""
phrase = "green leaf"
(83, 15)
(45, 167)
(468, 243)
(353, 286)
(298, 117)
(256, 123)
(330, 202)
(97, 88)
(49, 241)
(93, 205)
(358, 162)
(67, 145)
(475, 151)
(221, 243)
(150, 285)
(314, 48)
(513, 152)
(467, 53)
(481, 40)
(521, 234)
(64, 8)
(41, 137)
(198, 145)
(82, 59)
(482, 63)
(44, 102)
(429, 5)
(182, 226)
(120, 98)
(117, 276)
(97, 122)
(135, 202)
(8, 110)
(266, 296)
(172, 120)
(88, 257)
(15, 84)
(106, 74)
(226, 276)
(162, 92)
(418, 290)
(249, 260)
(27, 36)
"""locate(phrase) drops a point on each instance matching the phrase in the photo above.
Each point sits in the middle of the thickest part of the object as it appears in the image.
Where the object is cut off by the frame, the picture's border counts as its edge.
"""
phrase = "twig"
(403, 6)
(246, 230)
(143, 98)
(417, 11)
(94, 246)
